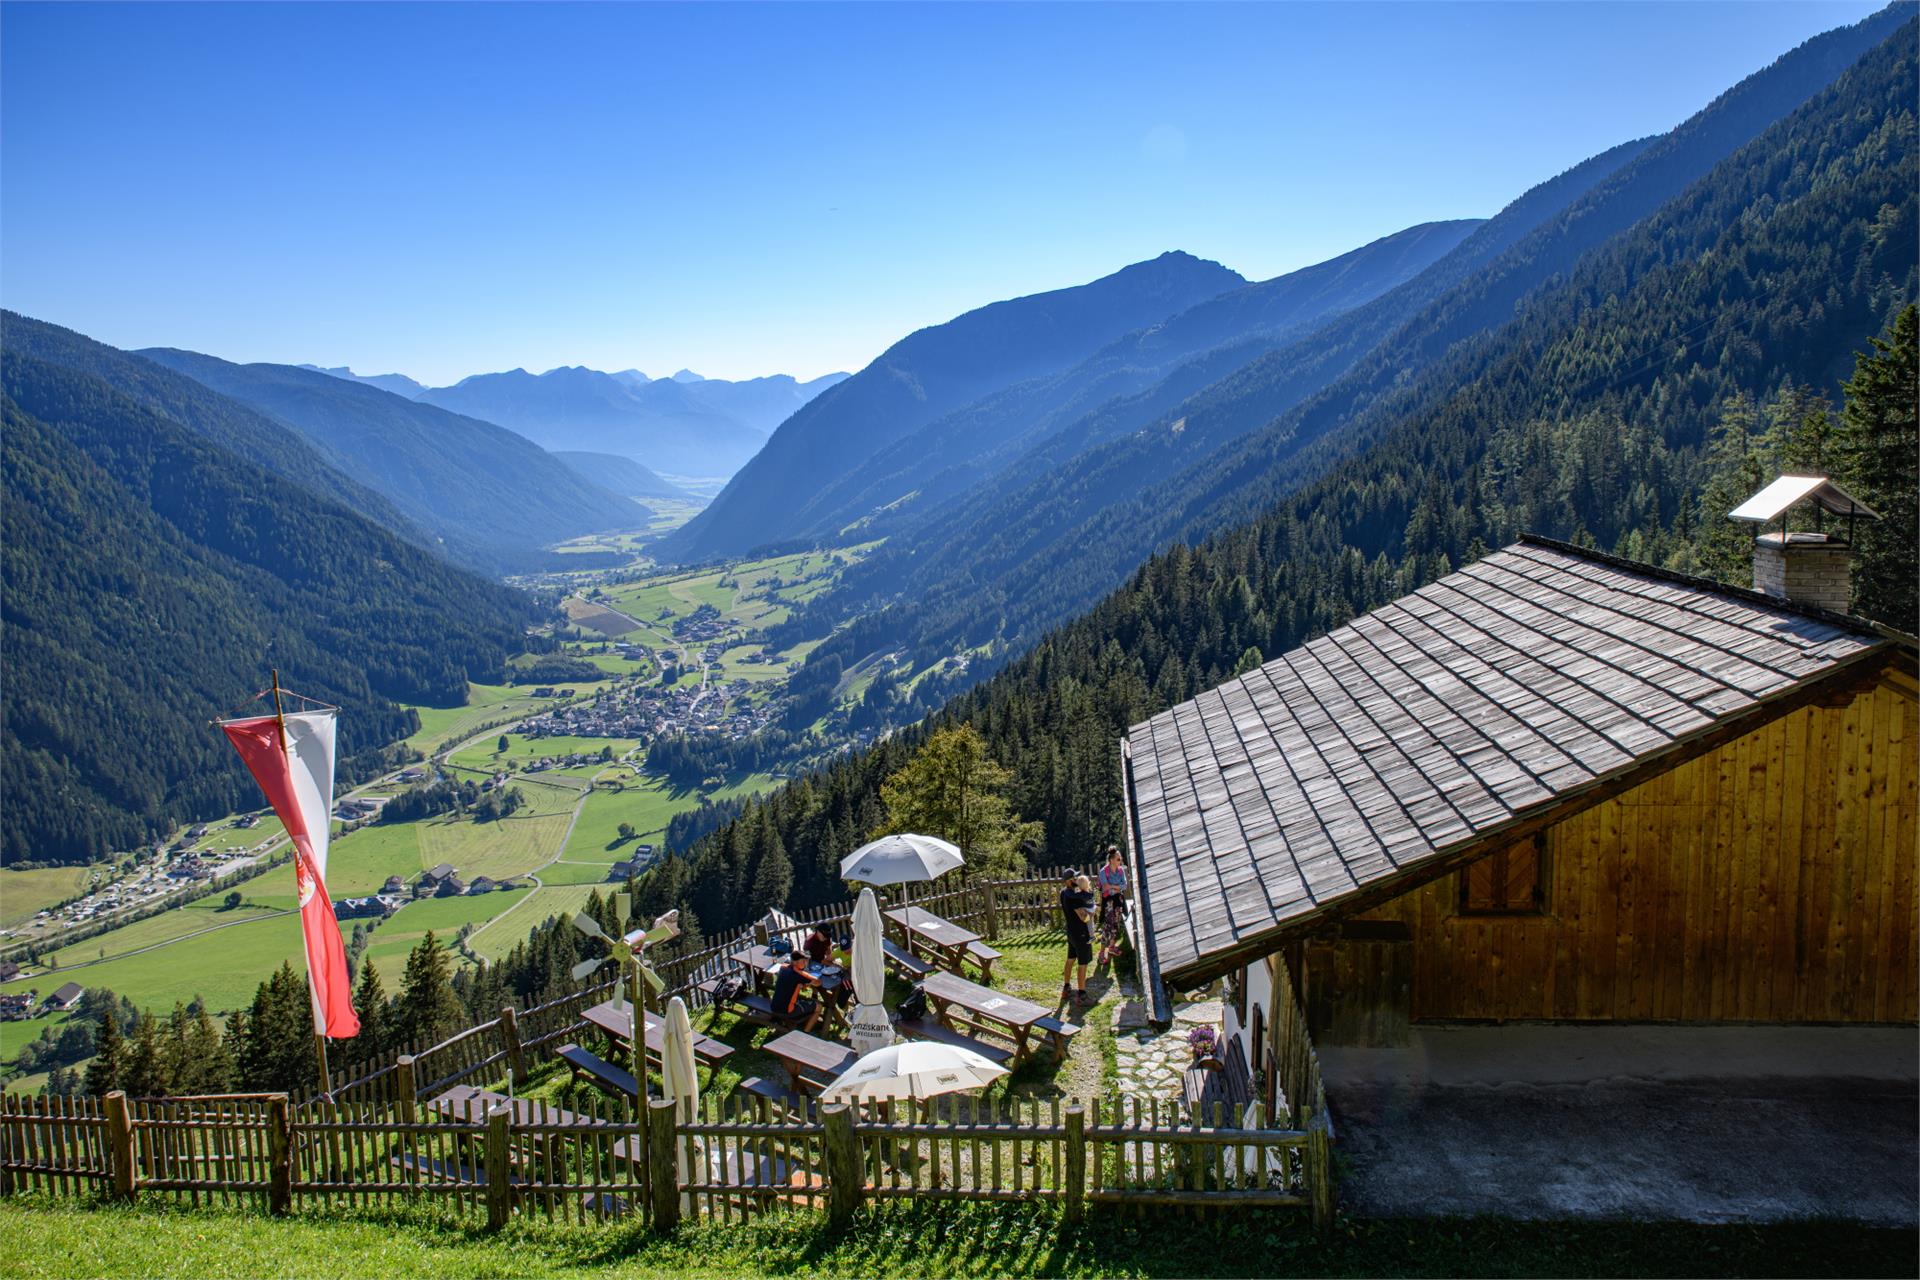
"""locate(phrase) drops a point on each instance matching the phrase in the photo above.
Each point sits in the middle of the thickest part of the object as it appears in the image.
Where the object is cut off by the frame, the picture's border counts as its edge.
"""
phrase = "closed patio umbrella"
(869, 1028)
(913, 1069)
(901, 859)
(677, 1074)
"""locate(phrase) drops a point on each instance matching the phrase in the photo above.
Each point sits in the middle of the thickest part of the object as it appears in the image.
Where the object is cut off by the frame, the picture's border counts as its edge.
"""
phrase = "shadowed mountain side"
(473, 483)
(934, 371)
(1173, 358)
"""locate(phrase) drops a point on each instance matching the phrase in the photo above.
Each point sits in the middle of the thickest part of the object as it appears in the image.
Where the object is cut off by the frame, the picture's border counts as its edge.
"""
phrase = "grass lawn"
(224, 966)
(43, 1238)
(24, 892)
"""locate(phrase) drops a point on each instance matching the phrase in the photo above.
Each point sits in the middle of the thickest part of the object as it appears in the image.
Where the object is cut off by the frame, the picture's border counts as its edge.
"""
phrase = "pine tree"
(146, 1075)
(428, 1010)
(213, 1060)
(376, 1020)
(105, 1072)
(1876, 447)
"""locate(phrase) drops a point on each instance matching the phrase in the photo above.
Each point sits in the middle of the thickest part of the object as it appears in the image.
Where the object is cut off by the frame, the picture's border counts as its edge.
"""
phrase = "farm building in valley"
(1553, 786)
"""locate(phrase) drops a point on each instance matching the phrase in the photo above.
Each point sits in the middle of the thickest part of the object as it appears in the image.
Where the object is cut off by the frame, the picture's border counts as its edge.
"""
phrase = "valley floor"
(42, 1239)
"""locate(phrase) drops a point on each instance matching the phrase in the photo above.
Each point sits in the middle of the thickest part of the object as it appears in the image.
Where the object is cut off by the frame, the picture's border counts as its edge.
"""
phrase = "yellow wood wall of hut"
(1771, 880)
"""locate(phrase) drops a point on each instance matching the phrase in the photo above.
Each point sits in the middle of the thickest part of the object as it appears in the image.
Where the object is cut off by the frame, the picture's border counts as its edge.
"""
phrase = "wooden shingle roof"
(1431, 725)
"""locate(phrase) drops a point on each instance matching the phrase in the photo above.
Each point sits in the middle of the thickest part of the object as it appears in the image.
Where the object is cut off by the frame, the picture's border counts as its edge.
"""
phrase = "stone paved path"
(1151, 1064)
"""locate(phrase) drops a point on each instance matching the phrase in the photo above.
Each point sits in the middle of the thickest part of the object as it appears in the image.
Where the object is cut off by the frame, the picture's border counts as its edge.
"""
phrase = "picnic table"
(1003, 1014)
(462, 1100)
(945, 940)
(812, 1062)
(618, 1023)
(764, 965)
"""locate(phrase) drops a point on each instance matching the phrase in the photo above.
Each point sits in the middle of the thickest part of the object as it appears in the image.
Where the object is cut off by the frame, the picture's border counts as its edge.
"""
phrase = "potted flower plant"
(1205, 1043)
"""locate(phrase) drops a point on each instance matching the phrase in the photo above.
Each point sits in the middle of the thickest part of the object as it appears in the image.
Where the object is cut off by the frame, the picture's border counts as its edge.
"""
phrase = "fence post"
(499, 1169)
(1076, 1173)
(844, 1177)
(120, 1142)
(1319, 1173)
(663, 1180)
(510, 1036)
(279, 1155)
(991, 901)
(403, 1085)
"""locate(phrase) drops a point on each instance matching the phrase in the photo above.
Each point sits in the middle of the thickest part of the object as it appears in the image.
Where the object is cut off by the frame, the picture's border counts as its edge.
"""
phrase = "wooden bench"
(1059, 1033)
(928, 1029)
(580, 1063)
(1230, 1087)
(984, 956)
(909, 964)
(444, 1172)
(779, 1094)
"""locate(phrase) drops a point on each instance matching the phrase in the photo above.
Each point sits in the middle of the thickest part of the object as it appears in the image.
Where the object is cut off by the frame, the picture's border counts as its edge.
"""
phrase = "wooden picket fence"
(727, 1159)
(373, 1138)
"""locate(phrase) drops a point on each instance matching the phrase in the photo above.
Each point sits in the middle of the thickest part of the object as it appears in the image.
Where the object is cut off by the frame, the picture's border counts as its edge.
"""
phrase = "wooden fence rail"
(716, 1159)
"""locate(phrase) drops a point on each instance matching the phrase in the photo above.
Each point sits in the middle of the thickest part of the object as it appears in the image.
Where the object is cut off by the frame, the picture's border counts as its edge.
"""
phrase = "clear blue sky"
(444, 189)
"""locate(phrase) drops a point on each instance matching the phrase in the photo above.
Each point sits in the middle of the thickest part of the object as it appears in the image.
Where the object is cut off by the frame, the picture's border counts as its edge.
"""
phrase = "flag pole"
(319, 1040)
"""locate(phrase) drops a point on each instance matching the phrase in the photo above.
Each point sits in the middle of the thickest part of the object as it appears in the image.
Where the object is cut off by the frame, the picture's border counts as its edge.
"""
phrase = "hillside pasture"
(23, 893)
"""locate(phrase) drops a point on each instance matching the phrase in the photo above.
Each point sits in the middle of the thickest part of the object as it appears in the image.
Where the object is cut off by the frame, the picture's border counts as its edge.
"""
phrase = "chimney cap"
(1774, 500)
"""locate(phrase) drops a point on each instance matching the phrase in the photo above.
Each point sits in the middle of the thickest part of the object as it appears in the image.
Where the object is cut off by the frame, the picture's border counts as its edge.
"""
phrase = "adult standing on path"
(1113, 905)
(1076, 915)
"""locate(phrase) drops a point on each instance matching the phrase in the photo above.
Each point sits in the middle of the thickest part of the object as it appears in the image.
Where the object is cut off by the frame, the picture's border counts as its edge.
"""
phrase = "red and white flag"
(296, 772)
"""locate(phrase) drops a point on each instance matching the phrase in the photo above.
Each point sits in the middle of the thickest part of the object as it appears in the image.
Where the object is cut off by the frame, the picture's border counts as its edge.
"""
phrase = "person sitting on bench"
(788, 1004)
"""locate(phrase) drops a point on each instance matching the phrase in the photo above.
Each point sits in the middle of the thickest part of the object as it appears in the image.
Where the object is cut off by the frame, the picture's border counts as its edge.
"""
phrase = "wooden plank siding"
(1770, 880)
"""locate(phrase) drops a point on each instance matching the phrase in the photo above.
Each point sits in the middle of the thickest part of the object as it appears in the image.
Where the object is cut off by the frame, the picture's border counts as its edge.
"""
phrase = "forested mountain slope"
(1173, 357)
(226, 423)
(1617, 410)
(151, 577)
(931, 372)
(1001, 570)
(491, 494)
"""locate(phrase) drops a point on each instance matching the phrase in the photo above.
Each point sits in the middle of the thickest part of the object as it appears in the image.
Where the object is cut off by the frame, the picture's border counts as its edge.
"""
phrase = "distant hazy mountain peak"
(398, 383)
(687, 375)
(632, 377)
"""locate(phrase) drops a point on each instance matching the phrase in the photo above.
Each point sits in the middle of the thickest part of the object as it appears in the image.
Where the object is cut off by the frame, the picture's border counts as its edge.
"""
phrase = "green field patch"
(23, 893)
(496, 940)
(224, 966)
(506, 847)
(168, 926)
(567, 871)
(486, 704)
(485, 757)
(358, 863)
(15, 1036)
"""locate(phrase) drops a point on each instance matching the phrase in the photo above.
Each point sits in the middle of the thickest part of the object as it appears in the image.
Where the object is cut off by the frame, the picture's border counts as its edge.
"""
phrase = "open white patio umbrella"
(869, 1028)
(901, 859)
(913, 1069)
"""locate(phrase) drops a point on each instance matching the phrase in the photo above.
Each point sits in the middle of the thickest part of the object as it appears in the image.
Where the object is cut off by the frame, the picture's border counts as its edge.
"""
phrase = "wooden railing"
(724, 1159)
(371, 1139)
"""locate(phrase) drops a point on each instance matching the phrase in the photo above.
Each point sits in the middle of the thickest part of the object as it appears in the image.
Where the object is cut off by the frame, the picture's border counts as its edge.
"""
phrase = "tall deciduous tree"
(953, 789)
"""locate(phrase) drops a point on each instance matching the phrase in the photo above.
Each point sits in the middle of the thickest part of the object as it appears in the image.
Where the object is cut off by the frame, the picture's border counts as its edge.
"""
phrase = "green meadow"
(22, 893)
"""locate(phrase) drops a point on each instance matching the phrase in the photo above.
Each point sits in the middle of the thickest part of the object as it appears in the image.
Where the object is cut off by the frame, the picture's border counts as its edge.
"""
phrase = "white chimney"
(1807, 566)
